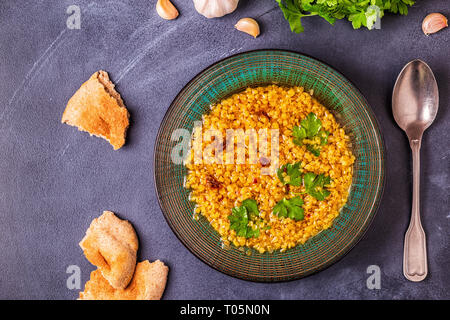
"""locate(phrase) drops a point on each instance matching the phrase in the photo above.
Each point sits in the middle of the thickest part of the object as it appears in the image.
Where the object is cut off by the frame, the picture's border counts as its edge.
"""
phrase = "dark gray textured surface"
(54, 180)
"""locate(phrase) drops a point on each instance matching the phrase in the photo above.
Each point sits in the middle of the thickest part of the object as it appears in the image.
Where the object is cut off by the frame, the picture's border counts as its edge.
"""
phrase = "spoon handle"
(415, 252)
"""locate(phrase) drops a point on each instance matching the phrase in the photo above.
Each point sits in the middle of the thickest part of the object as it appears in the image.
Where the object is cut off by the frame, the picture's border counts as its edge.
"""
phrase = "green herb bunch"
(358, 12)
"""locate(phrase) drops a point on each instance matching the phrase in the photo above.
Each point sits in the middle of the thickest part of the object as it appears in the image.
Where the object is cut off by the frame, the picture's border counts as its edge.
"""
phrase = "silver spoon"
(415, 103)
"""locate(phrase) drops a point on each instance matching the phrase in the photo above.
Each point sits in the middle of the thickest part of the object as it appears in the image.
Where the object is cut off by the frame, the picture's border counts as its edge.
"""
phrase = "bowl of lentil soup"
(295, 209)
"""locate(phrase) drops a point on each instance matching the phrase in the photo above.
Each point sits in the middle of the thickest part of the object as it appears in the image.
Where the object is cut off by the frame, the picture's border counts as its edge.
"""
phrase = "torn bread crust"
(148, 283)
(111, 244)
(98, 109)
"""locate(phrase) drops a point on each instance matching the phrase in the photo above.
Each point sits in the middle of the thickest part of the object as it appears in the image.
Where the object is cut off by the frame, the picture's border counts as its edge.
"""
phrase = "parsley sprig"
(291, 208)
(358, 12)
(315, 184)
(310, 128)
(241, 217)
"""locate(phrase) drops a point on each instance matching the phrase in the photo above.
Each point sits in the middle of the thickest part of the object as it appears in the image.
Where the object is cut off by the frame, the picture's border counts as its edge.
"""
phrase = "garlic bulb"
(215, 8)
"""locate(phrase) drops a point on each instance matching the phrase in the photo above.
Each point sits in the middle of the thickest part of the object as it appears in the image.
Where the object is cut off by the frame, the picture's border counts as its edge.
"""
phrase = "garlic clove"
(166, 10)
(215, 8)
(248, 25)
(433, 23)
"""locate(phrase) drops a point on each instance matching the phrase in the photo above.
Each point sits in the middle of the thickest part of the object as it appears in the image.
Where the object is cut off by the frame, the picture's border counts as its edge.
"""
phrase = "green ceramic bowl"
(335, 92)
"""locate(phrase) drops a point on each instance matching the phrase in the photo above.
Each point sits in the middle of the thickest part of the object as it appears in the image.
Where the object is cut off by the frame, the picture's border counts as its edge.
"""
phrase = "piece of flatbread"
(111, 244)
(98, 109)
(148, 283)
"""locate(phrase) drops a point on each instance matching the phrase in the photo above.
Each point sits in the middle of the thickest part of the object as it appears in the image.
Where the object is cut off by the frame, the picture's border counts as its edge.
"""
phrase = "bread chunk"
(111, 244)
(148, 283)
(98, 109)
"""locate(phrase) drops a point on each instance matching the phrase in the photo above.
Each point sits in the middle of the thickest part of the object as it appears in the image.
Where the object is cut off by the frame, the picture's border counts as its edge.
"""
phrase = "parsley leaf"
(241, 216)
(292, 171)
(310, 127)
(292, 13)
(315, 185)
(358, 12)
(323, 135)
(251, 206)
(313, 150)
(291, 208)
(299, 134)
(371, 17)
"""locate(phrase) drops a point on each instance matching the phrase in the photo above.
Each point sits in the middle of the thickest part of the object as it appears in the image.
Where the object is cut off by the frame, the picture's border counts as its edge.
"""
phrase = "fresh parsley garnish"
(315, 151)
(291, 208)
(312, 125)
(299, 133)
(323, 135)
(292, 171)
(239, 221)
(315, 185)
(310, 128)
(241, 216)
(292, 13)
(251, 206)
(358, 12)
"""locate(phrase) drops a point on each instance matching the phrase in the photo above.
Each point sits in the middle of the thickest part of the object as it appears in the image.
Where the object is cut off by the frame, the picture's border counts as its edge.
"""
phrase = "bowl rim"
(376, 202)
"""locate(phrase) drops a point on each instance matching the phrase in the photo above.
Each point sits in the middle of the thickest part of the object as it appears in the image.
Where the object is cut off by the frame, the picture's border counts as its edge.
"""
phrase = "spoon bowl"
(415, 102)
